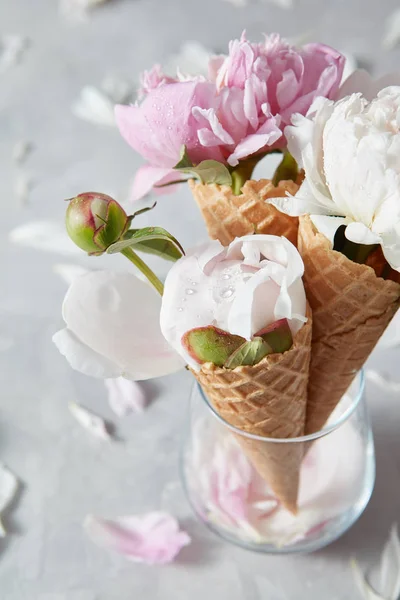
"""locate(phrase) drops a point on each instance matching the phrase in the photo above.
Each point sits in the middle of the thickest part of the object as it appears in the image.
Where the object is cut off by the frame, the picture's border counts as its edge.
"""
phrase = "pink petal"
(147, 176)
(163, 122)
(125, 396)
(267, 135)
(152, 538)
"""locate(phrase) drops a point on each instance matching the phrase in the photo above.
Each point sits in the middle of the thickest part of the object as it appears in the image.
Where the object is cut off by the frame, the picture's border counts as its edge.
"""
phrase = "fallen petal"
(390, 566)
(8, 489)
(44, 235)
(69, 271)
(363, 585)
(94, 106)
(90, 421)
(152, 538)
(383, 381)
(125, 396)
(12, 48)
(391, 36)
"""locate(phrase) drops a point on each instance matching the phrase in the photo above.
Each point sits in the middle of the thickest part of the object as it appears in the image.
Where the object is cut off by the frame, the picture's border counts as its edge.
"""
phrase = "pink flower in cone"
(287, 78)
(241, 111)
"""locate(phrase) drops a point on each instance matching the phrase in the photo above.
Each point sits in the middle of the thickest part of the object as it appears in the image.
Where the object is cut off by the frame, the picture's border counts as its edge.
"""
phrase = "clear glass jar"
(336, 477)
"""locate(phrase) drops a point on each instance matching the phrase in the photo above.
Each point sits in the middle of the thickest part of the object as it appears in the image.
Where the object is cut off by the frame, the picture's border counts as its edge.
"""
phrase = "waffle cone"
(228, 216)
(351, 309)
(269, 400)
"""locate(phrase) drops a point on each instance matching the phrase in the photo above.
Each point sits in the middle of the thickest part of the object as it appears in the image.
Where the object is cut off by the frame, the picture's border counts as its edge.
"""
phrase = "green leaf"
(184, 160)
(286, 170)
(249, 353)
(278, 336)
(174, 182)
(210, 344)
(210, 171)
(143, 237)
(158, 247)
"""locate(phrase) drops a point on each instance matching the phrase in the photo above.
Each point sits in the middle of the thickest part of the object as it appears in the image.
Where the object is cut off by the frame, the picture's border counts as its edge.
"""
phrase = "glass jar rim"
(305, 438)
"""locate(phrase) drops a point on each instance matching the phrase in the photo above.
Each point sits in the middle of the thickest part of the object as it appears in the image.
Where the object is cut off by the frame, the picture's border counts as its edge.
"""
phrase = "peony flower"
(240, 112)
(349, 151)
(289, 79)
(113, 329)
(240, 289)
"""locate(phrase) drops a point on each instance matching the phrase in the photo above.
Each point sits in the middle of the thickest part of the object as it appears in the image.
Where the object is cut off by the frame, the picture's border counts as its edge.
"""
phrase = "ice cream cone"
(228, 216)
(351, 309)
(269, 400)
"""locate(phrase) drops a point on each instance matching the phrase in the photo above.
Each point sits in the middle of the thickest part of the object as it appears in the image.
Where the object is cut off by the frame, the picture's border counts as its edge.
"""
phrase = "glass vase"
(232, 479)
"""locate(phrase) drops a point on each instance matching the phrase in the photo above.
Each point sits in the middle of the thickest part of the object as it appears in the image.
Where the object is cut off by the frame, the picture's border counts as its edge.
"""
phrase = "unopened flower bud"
(95, 221)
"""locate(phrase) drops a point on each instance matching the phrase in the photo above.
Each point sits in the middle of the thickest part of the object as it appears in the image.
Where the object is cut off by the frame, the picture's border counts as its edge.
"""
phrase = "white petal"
(8, 486)
(8, 489)
(21, 150)
(192, 59)
(12, 48)
(363, 586)
(391, 336)
(392, 32)
(349, 66)
(390, 566)
(82, 358)
(69, 271)
(383, 381)
(125, 396)
(328, 225)
(95, 107)
(152, 538)
(50, 236)
(360, 234)
(90, 421)
(117, 316)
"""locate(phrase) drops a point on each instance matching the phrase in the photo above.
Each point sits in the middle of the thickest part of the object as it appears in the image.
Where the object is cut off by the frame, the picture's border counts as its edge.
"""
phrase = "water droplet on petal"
(226, 276)
(227, 292)
(180, 309)
(189, 292)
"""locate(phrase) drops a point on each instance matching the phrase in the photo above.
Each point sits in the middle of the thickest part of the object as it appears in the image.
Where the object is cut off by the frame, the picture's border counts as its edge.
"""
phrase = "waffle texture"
(269, 400)
(351, 308)
(228, 216)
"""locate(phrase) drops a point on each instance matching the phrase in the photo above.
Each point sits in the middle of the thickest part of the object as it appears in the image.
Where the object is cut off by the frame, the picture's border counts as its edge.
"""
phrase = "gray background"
(65, 473)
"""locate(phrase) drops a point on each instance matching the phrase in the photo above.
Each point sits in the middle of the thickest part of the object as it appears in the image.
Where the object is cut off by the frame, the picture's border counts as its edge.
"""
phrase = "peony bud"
(95, 221)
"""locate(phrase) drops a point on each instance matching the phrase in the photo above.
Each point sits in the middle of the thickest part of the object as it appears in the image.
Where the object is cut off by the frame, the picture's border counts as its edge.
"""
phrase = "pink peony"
(241, 111)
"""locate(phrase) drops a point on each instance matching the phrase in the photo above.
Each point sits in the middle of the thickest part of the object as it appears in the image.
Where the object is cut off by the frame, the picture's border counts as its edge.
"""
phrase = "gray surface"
(65, 473)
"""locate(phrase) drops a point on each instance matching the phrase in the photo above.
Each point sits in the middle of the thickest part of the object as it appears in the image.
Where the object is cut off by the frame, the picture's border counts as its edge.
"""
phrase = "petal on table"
(50, 236)
(8, 489)
(152, 538)
(90, 421)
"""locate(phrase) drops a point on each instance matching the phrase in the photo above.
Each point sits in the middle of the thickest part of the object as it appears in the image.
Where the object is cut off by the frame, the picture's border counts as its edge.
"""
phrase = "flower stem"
(286, 170)
(243, 173)
(147, 272)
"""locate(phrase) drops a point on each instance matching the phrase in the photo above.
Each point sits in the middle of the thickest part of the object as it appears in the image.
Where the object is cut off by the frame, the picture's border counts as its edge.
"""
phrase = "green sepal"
(210, 344)
(248, 354)
(278, 336)
(208, 171)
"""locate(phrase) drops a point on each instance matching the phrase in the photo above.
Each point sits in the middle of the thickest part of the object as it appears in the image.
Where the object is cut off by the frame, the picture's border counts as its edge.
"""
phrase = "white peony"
(113, 328)
(350, 151)
(241, 289)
